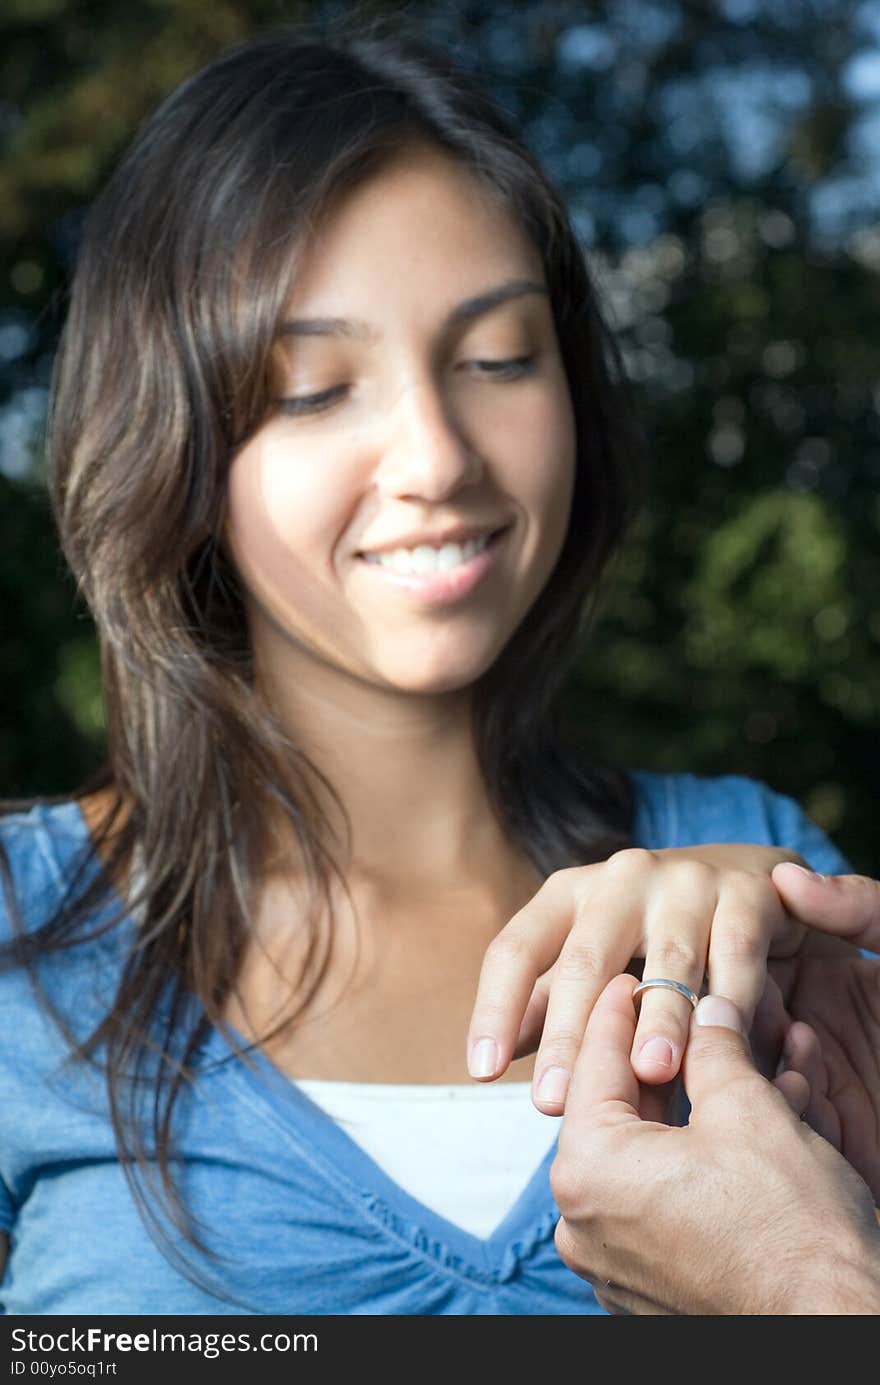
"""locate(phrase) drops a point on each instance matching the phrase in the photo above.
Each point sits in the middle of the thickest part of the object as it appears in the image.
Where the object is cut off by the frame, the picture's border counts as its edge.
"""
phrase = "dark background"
(722, 163)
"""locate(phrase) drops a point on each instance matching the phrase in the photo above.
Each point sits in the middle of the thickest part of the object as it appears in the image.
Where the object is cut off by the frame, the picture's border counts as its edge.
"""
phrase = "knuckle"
(562, 881)
(511, 948)
(631, 860)
(740, 943)
(692, 876)
(579, 961)
(674, 955)
(562, 1239)
(752, 884)
(559, 1044)
(568, 1186)
(570, 1249)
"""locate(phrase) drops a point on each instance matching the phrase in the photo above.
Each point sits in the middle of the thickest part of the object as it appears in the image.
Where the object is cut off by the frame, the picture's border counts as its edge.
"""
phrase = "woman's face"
(409, 417)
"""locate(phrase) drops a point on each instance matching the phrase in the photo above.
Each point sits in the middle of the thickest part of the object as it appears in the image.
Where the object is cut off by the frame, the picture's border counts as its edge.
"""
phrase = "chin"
(440, 676)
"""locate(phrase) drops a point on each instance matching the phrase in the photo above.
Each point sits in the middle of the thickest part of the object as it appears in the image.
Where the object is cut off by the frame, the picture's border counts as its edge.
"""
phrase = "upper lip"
(458, 533)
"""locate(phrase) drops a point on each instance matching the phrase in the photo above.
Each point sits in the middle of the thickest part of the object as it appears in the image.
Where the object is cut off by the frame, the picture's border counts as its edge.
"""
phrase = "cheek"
(281, 525)
(544, 447)
(277, 509)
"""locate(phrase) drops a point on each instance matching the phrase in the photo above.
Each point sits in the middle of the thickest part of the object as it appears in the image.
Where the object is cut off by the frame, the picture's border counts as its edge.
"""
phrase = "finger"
(603, 1089)
(718, 1059)
(532, 1026)
(847, 906)
(676, 951)
(821, 1116)
(748, 916)
(802, 1052)
(796, 1090)
(525, 948)
(608, 927)
(770, 1025)
(802, 1059)
(584, 968)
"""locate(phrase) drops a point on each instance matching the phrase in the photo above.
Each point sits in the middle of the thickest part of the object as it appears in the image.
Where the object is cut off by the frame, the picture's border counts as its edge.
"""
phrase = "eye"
(311, 403)
(508, 369)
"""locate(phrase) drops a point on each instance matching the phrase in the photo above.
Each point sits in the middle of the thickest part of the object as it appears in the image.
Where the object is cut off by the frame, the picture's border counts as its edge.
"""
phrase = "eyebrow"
(462, 312)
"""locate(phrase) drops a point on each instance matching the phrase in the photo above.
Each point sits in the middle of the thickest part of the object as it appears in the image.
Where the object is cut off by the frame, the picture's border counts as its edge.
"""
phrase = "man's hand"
(820, 1015)
(745, 1210)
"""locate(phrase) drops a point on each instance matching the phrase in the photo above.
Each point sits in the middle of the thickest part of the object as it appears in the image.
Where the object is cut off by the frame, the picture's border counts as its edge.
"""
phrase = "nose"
(426, 453)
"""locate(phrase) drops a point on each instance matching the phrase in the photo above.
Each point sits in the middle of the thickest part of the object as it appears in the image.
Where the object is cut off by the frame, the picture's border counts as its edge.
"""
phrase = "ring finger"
(665, 1013)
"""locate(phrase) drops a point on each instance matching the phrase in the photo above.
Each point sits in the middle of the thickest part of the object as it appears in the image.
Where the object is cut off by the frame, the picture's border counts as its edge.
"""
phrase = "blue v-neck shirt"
(300, 1218)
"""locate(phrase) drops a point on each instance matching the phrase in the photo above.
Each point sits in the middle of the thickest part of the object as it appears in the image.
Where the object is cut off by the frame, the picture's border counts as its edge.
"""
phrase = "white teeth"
(426, 559)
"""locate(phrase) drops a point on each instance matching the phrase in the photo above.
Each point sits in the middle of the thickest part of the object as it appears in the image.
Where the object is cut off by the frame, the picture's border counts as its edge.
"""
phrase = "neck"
(406, 772)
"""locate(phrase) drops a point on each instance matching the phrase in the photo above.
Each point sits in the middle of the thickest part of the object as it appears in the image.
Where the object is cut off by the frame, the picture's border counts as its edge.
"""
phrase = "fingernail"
(813, 874)
(553, 1085)
(719, 1012)
(657, 1051)
(483, 1060)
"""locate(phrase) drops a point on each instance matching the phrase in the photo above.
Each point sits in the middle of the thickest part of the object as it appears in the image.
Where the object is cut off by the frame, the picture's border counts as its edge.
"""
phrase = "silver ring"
(668, 985)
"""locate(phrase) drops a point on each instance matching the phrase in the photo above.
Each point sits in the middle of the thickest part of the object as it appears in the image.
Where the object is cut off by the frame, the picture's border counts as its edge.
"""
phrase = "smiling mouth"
(427, 559)
(438, 586)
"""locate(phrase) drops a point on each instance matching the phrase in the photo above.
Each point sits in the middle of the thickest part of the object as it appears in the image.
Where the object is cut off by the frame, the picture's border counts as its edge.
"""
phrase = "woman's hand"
(686, 911)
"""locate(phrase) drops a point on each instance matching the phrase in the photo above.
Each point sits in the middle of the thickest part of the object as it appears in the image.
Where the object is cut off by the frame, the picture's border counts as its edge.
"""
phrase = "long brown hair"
(186, 263)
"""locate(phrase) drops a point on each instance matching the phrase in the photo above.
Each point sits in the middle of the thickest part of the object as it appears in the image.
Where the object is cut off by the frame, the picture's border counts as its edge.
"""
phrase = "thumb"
(718, 1052)
(845, 905)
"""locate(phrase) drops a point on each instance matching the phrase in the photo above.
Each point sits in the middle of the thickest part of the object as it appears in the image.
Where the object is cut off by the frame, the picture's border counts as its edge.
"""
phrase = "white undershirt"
(467, 1151)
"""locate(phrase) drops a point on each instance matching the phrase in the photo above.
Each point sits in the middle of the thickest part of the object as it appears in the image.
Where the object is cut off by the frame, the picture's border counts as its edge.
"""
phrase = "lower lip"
(441, 588)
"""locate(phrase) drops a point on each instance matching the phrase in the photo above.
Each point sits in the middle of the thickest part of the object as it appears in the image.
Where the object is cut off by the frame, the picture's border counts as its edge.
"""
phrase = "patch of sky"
(687, 187)
(861, 76)
(22, 422)
(653, 23)
(837, 204)
(586, 45)
(678, 101)
(867, 18)
(16, 336)
(740, 11)
(755, 105)
(786, 13)
(638, 225)
(863, 140)
(583, 160)
(584, 225)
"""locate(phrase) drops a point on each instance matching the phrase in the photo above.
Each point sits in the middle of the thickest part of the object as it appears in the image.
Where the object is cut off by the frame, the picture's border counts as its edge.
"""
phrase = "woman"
(339, 449)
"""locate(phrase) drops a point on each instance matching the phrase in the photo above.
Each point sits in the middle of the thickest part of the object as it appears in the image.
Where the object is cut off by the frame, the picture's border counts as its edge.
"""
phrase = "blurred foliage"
(720, 162)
